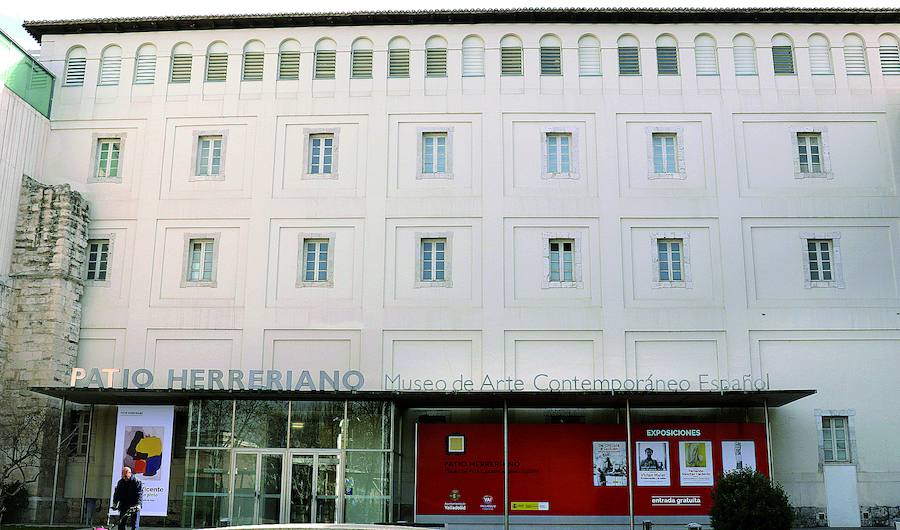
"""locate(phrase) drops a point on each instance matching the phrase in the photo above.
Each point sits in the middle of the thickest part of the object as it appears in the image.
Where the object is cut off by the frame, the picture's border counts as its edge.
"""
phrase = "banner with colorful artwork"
(144, 444)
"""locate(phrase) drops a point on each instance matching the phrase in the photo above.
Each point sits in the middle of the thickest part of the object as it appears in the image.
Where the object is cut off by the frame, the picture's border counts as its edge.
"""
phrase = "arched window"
(145, 65)
(820, 55)
(110, 65)
(889, 53)
(289, 60)
(398, 57)
(629, 55)
(511, 56)
(326, 57)
(551, 55)
(217, 62)
(76, 61)
(182, 57)
(436, 57)
(588, 56)
(705, 55)
(666, 55)
(361, 59)
(783, 54)
(254, 61)
(855, 55)
(473, 56)
(744, 55)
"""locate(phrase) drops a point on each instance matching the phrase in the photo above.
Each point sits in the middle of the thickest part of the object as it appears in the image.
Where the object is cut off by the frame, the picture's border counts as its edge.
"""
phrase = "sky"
(14, 12)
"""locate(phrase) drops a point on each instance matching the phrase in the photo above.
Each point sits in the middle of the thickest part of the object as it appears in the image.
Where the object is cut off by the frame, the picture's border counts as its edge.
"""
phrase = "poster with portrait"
(144, 444)
(653, 464)
(610, 464)
(737, 455)
(695, 459)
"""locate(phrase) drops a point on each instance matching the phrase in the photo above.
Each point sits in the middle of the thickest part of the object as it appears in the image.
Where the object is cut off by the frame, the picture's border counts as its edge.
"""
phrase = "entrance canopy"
(538, 399)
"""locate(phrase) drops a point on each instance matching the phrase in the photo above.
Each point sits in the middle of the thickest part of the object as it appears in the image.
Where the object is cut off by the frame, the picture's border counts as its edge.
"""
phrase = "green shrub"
(748, 500)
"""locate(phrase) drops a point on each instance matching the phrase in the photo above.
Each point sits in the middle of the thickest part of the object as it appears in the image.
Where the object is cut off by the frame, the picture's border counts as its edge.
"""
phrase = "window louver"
(325, 64)
(75, 71)
(783, 59)
(110, 69)
(216, 66)
(855, 60)
(436, 62)
(551, 61)
(145, 69)
(289, 65)
(361, 64)
(707, 63)
(820, 60)
(39, 79)
(511, 61)
(745, 60)
(181, 68)
(667, 60)
(398, 63)
(253, 66)
(890, 59)
(473, 62)
(629, 60)
(588, 61)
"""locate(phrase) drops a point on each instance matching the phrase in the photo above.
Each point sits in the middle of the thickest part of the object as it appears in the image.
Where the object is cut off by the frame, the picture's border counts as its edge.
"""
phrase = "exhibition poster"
(610, 464)
(653, 464)
(695, 459)
(144, 443)
(738, 455)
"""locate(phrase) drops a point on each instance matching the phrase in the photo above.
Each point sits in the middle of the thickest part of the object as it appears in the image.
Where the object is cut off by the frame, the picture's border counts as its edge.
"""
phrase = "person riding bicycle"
(127, 498)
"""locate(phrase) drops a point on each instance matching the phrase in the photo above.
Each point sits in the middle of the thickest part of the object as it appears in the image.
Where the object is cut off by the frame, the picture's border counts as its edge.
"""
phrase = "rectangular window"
(98, 260)
(562, 267)
(511, 60)
(551, 60)
(201, 254)
(81, 426)
(667, 60)
(783, 59)
(209, 156)
(820, 255)
(670, 259)
(315, 267)
(321, 154)
(836, 437)
(629, 60)
(434, 153)
(107, 162)
(436, 62)
(559, 153)
(809, 151)
(433, 256)
(398, 62)
(665, 149)
(361, 64)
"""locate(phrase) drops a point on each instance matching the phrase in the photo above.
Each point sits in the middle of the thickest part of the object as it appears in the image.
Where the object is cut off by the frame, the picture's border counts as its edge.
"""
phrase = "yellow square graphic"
(456, 443)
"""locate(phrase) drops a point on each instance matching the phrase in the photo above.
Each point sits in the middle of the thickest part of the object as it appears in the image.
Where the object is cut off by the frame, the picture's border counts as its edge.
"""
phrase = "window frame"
(308, 135)
(680, 172)
(302, 239)
(82, 433)
(189, 238)
(577, 281)
(574, 153)
(97, 138)
(110, 241)
(837, 269)
(198, 136)
(421, 133)
(422, 237)
(850, 416)
(824, 152)
(687, 280)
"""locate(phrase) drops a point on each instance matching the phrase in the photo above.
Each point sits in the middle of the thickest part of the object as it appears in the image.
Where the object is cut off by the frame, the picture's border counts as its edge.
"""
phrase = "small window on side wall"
(666, 153)
(822, 265)
(200, 260)
(434, 154)
(560, 153)
(321, 154)
(671, 260)
(108, 152)
(316, 260)
(811, 156)
(98, 256)
(562, 260)
(433, 260)
(836, 439)
(210, 156)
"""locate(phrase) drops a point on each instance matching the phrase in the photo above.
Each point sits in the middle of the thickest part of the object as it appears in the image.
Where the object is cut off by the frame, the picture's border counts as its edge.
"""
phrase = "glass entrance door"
(257, 488)
(315, 487)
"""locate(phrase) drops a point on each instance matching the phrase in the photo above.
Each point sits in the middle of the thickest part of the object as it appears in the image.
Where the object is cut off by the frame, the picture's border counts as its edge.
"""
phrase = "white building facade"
(529, 195)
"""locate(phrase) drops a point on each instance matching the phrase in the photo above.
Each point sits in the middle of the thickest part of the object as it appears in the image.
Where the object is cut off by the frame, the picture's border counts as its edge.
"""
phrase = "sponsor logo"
(454, 504)
(487, 503)
(675, 500)
(530, 506)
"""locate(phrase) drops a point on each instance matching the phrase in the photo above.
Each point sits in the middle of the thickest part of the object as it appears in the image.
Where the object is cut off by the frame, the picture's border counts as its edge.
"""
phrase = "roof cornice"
(39, 28)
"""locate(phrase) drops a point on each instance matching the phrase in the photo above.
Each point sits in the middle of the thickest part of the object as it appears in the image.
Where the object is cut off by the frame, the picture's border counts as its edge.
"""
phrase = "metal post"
(769, 442)
(87, 462)
(62, 414)
(505, 465)
(629, 465)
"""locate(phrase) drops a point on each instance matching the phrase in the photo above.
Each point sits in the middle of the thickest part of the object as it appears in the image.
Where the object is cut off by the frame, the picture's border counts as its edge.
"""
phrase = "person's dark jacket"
(128, 493)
